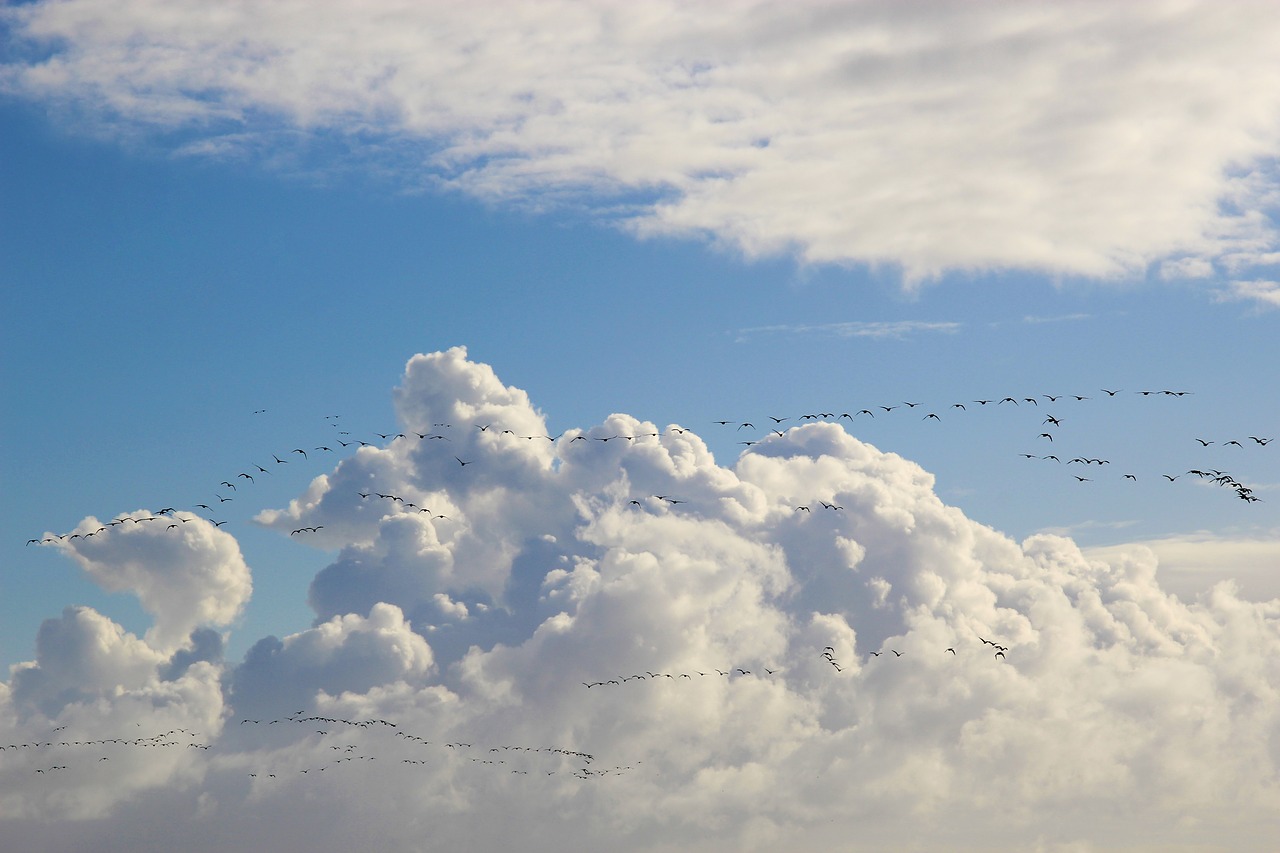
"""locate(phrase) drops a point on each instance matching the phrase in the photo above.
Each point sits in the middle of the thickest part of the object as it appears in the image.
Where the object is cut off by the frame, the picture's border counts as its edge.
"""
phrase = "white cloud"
(854, 329)
(1120, 715)
(185, 571)
(1266, 294)
(1191, 565)
(1088, 138)
(90, 723)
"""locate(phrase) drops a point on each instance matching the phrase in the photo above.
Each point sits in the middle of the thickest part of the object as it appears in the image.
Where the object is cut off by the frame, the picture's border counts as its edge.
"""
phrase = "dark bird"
(931, 415)
(300, 450)
(953, 651)
(1204, 443)
(1171, 477)
(279, 461)
(896, 652)
(1045, 435)
(464, 464)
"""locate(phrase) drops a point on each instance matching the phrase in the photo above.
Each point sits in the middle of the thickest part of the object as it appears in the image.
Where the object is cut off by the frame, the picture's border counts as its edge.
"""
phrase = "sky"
(662, 427)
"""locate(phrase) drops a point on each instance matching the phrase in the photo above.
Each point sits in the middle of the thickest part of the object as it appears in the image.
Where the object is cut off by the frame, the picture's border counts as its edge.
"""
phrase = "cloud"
(1265, 294)
(185, 571)
(1191, 565)
(93, 706)
(441, 697)
(1091, 139)
(854, 329)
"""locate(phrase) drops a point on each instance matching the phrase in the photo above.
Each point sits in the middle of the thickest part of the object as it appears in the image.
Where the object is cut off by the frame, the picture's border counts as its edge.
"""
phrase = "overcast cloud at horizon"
(826, 426)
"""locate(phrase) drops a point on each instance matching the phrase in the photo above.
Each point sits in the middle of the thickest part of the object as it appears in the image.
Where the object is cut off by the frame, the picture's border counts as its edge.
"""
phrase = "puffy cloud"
(1090, 138)
(697, 599)
(90, 723)
(347, 654)
(185, 571)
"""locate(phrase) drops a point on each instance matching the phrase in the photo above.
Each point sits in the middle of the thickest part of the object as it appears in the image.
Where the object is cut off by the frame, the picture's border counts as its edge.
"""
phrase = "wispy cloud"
(852, 329)
(1263, 293)
(1059, 318)
(847, 133)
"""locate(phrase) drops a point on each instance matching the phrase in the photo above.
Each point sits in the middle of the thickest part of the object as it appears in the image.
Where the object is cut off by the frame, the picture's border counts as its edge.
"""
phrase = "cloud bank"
(609, 638)
(1086, 139)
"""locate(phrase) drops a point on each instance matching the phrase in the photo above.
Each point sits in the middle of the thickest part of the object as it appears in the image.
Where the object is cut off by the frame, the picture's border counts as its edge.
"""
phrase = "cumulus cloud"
(185, 571)
(1089, 139)
(611, 638)
(93, 718)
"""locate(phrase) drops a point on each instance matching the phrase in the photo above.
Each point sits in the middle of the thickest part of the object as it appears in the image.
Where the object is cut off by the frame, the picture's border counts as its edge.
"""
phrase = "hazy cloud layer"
(1085, 138)
(1120, 717)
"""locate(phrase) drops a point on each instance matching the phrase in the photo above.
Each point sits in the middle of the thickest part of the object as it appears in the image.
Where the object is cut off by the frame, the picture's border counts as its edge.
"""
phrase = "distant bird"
(896, 652)
(464, 464)
(1045, 435)
(300, 450)
(953, 651)
(1204, 443)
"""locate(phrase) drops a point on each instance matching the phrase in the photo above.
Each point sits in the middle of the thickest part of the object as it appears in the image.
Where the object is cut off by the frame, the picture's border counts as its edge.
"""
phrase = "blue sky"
(664, 218)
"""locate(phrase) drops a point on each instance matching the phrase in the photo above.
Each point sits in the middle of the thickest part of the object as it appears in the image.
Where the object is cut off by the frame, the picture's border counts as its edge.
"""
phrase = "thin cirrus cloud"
(853, 329)
(442, 692)
(1082, 139)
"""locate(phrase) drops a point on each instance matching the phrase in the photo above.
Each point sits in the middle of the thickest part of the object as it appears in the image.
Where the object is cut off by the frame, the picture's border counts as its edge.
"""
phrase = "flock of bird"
(80, 755)
(346, 754)
(775, 424)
